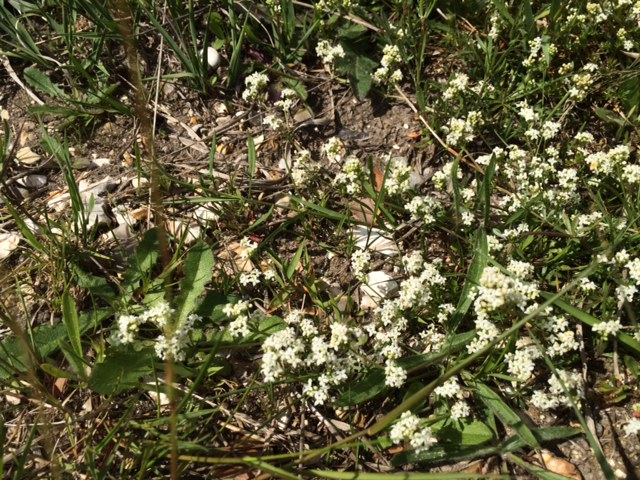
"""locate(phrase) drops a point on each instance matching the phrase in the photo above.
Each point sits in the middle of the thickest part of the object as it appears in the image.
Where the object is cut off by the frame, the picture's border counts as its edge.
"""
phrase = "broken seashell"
(8, 243)
(377, 286)
(211, 57)
(33, 181)
(27, 156)
(374, 240)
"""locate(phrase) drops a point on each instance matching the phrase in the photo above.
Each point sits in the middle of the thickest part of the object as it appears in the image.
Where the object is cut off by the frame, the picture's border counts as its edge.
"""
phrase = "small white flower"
(460, 410)
(255, 84)
(451, 388)
(612, 327)
(250, 278)
(248, 247)
(395, 375)
(329, 53)
(632, 427)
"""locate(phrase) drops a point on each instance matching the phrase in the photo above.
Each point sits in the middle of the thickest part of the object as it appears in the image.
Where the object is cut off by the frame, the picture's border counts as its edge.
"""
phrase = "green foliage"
(122, 370)
(198, 268)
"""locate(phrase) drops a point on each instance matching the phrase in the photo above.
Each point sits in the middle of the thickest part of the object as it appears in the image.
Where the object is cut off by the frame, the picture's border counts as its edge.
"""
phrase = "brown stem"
(123, 16)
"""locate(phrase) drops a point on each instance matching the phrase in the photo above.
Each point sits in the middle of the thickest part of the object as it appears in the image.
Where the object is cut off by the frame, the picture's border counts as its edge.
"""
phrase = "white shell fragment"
(100, 162)
(94, 210)
(8, 243)
(374, 240)
(33, 181)
(27, 156)
(377, 286)
(212, 57)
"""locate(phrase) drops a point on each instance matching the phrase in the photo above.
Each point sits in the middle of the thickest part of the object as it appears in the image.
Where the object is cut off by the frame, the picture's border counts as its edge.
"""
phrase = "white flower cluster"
(351, 176)
(497, 24)
(535, 51)
(557, 396)
(387, 329)
(451, 389)
(413, 262)
(547, 130)
(408, 428)
(460, 131)
(497, 291)
(580, 82)
(254, 86)
(304, 168)
(442, 178)
(248, 246)
(333, 5)
(303, 345)
(128, 325)
(239, 327)
(622, 35)
(459, 83)
(172, 344)
(398, 175)
(250, 278)
(274, 6)
(388, 73)
(632, 427)
(333, 149)
(612, 327)
(274, 123)
(288, 97)
(328, 53)
(521, 363)
(561, 339)
(537, 177)
(604, 163)
(360, 263)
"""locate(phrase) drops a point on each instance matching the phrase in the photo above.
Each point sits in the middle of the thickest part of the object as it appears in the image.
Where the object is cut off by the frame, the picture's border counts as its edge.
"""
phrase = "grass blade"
(506, 415)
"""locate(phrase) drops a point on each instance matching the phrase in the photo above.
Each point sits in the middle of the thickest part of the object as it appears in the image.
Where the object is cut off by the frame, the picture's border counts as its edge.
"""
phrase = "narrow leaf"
(291, 269)
(473, 277)
(198, 269)
(70, 319)
(510, 418)
(40, 81)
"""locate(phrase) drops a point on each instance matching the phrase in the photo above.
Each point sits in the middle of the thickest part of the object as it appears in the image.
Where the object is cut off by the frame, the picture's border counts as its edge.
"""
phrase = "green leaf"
(330, 214)
(372, 384)
(457, 452)
(56, 372)
(41, 82)
(143, 261)
(450, 345)
(121, 370)
(610, 117)
(501, 7)
(97, 286)
(268, 326)
(77, 362)
(476, 433)
(506, 415)
(291, 269)
(358, 68)
(70, 319)
(198, 269)
(478, 263)
(46, 341)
